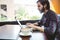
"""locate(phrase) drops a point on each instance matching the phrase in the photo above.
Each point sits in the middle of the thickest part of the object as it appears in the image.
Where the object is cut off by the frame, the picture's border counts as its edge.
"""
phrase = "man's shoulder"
(51, 12)
(52, 15)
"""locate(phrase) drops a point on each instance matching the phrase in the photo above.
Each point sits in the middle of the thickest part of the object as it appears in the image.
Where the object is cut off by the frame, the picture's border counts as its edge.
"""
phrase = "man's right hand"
(35, 23)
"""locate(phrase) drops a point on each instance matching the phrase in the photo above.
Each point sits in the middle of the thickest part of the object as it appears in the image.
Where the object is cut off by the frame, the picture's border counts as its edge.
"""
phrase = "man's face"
(40, 7)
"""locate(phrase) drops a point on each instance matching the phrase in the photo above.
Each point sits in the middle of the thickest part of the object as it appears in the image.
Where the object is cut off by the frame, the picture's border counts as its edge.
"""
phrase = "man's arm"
(51, 29)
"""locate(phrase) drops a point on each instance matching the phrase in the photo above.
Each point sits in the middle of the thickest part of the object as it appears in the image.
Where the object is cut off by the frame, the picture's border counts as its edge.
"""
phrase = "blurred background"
(24, 9)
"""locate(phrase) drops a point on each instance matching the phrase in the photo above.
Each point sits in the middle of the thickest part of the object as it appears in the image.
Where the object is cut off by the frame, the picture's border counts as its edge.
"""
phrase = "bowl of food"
(26, 31)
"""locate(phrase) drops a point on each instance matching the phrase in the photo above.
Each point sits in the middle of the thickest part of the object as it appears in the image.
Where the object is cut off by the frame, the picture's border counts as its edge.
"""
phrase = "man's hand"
(35, 27)
(30, 25)
(35, 23)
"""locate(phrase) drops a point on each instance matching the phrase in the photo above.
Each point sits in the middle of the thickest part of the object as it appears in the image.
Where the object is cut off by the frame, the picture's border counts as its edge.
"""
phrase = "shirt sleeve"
(51, 29)
(40, 22)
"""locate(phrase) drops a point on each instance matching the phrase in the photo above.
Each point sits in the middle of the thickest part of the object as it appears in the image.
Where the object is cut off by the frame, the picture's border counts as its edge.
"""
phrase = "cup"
(26, 31)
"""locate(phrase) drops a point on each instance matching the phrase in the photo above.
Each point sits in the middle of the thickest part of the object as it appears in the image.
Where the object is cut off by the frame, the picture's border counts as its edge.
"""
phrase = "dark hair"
(43, 2)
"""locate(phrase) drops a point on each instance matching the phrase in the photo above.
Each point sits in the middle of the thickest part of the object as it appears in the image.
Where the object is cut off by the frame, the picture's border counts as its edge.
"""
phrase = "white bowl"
(26, 30)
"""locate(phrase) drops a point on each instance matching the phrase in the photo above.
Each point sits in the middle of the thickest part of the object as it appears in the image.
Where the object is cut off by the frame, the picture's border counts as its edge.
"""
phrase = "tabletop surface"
(36, 36)
(12, 31)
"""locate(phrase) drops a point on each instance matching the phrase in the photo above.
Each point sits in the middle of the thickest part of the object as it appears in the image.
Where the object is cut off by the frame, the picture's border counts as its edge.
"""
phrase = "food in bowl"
(25, 31)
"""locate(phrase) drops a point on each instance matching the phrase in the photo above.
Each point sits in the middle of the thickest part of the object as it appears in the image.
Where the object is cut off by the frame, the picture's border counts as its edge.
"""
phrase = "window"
(20, 9)
(26, 10)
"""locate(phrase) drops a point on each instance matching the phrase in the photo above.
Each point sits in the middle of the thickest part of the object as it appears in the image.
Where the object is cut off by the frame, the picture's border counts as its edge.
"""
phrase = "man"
(49, 20)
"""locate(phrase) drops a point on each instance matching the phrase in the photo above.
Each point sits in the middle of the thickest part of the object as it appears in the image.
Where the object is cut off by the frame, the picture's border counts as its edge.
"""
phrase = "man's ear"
(45, 6)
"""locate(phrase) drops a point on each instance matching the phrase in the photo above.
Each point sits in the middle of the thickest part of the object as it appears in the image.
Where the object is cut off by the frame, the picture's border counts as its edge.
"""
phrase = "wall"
(10, 8)
(56, 5)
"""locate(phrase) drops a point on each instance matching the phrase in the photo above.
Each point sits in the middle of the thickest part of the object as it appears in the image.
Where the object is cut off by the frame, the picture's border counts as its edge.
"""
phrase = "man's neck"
(45, 11)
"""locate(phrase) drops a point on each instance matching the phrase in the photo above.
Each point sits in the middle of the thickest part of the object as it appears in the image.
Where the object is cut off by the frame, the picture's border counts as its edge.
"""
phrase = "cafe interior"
(14, 14)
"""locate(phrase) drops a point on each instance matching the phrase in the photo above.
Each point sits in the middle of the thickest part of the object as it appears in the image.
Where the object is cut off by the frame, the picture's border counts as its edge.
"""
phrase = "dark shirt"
(49, 21)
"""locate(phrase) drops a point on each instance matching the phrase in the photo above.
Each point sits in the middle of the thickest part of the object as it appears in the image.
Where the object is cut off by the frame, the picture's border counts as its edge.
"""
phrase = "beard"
(42, 10)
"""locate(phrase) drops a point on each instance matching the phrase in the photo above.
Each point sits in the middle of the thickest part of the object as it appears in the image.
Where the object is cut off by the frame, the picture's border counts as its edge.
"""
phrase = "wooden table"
(11, 32)
(34, 36)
